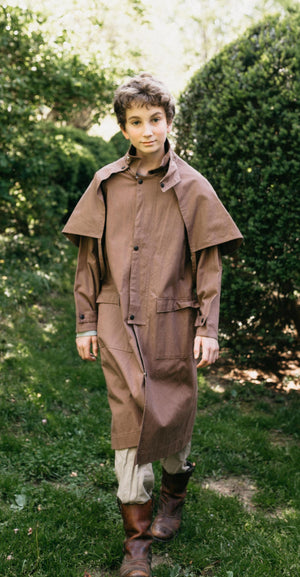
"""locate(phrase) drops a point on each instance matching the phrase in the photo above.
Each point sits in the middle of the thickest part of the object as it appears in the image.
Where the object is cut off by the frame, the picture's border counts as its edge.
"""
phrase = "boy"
(150, 231)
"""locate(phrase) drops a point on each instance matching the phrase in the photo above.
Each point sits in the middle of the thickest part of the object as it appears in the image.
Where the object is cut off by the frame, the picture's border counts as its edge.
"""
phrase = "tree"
(239, 125)
(39, 81)
(40, 77)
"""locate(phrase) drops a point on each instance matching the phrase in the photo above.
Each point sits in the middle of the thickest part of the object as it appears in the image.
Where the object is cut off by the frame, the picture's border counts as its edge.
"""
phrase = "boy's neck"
(149, 162)
(144, 170)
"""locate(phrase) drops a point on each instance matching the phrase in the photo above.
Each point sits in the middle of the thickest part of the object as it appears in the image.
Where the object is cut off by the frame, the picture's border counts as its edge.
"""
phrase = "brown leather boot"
(137, 545)
(172, 497)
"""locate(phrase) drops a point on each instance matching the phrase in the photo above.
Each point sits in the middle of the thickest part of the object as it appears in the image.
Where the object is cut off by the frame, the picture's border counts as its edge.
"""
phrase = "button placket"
(134, 288)
(147, 190)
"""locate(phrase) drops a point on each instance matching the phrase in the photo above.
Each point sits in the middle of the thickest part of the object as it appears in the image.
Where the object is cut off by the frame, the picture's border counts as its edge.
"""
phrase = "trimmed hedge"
(239, 125)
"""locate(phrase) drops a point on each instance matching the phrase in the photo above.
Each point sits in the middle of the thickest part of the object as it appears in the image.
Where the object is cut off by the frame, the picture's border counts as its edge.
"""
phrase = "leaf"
(175, 571)
(21, 501)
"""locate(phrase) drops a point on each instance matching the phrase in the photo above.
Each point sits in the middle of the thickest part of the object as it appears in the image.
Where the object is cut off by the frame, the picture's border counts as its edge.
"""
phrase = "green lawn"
(58, 510)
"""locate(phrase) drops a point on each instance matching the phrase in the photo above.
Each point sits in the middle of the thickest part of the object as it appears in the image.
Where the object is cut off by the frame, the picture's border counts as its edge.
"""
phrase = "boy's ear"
(169, 127)
(124, 133)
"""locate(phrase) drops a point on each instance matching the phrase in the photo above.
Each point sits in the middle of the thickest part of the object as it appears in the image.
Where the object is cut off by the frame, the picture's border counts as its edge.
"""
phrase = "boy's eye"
(156, 119)
(135, 122)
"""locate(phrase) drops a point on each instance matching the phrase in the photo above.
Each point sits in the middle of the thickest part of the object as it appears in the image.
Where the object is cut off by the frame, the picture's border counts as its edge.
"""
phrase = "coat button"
(135, 248)
(131, 317)
(140, 181)
(162, 184)
(81, 317)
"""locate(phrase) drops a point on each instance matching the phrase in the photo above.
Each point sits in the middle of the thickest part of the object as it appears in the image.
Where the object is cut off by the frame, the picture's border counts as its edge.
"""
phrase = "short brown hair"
(143, 90)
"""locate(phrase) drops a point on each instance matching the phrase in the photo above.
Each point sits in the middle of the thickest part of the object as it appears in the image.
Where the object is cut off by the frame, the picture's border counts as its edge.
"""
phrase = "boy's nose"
(147, 130)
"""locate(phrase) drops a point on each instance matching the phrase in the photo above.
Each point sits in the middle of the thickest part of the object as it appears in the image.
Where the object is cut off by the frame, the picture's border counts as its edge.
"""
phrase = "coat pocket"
(175, 327)
(111, 330)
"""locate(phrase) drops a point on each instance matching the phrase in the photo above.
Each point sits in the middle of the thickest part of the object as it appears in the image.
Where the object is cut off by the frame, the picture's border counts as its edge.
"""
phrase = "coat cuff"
(207, 326)
(206, 331)
(86, 322)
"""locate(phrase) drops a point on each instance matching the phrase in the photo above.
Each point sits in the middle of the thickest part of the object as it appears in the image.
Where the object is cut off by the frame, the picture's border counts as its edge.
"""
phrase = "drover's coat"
(147, 298)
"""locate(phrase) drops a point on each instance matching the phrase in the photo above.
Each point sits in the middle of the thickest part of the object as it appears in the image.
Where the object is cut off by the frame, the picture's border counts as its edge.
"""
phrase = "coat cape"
(206, 220)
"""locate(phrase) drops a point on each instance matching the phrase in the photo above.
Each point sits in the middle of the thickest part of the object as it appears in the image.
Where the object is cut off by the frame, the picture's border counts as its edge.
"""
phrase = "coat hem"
(145, 456)
(126, 440)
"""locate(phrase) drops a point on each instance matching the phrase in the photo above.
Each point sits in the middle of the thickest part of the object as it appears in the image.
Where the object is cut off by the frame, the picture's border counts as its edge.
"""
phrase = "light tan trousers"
(136, 482)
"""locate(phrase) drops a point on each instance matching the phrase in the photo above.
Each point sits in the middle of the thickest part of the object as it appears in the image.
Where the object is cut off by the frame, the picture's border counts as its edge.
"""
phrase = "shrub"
(42, 168)
(120, 143)
(238, 124)
(80, 156)
(51, 178)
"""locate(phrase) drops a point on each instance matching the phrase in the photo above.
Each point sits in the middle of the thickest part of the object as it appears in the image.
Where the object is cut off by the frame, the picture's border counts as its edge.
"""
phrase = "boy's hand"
(209, 348)
(87, 347)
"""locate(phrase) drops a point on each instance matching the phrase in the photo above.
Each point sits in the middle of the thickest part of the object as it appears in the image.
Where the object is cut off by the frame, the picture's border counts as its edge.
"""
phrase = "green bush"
(238, 124)
(120, 143)
(44, 168)
(79, 156)
(51, 170)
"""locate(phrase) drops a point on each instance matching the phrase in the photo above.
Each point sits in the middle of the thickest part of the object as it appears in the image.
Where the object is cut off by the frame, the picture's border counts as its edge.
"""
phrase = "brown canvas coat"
(146, 325)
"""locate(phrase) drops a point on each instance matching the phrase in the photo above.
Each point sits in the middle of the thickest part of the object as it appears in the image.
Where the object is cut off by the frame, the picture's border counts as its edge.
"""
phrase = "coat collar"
(170, 178)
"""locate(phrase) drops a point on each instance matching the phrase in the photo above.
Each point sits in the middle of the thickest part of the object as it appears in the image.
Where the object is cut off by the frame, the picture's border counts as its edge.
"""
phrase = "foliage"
(120, 143)
(239, 125)
(48, 182)
(44, 167)
(172, 42)
(37, 74)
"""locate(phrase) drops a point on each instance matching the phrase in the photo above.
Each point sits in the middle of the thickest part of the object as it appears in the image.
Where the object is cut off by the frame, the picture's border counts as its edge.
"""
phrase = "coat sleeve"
(87, 285)
(208, 287)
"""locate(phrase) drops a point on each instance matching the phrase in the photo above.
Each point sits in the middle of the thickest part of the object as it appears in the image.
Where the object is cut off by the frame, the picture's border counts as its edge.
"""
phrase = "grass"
(58, 511)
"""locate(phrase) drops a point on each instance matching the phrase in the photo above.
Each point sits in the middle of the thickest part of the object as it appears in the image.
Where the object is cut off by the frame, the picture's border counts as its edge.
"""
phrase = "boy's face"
(147, 129)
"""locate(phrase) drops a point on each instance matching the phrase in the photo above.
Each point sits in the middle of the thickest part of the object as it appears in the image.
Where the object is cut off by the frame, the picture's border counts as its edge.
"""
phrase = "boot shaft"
(171, 501)
(137, 520)
(176, 485)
